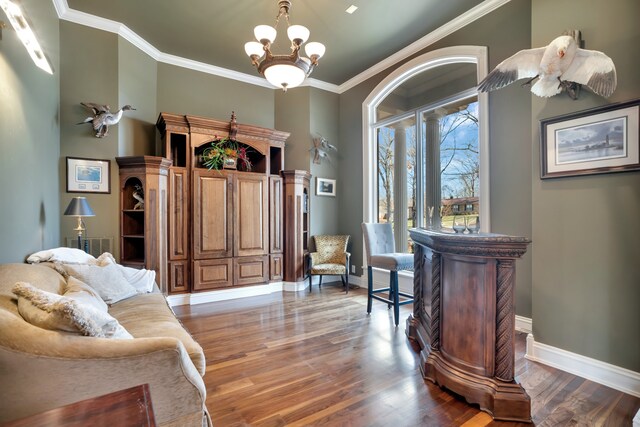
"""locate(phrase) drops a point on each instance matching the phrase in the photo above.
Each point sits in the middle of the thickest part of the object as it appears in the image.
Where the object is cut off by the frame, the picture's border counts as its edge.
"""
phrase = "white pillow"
(84, 294)
(108, 281)
(65, 255)
(141, 279)
(57, 312)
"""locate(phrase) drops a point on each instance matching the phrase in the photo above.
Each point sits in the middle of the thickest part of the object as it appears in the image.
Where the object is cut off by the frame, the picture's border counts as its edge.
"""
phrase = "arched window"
(426, 157)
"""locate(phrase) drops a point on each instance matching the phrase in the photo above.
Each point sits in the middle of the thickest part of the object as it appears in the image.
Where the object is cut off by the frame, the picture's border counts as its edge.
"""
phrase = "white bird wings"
(523, 64)
(594, 69)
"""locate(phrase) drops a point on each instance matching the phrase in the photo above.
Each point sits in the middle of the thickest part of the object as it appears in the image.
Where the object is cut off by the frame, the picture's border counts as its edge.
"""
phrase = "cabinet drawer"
(212, 274)
(251, 270)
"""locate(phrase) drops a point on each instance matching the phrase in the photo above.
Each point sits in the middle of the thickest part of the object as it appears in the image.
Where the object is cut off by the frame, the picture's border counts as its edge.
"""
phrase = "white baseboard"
(636, 419)
(225, 294)
(523, 324)
(247, 291)
(624, 380)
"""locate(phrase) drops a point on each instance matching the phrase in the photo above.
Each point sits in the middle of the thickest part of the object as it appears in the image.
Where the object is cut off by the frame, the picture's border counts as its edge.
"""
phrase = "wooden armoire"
(225, 227)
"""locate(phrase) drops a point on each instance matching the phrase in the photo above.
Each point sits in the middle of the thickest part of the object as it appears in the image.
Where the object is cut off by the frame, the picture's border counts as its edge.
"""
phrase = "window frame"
(433, 59)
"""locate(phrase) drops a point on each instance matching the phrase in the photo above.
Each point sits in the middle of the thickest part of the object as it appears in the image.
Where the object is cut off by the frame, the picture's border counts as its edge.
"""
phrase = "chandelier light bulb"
(284, 76)
(314, 49)
(265, 32)
(254, 48)
(298, 32)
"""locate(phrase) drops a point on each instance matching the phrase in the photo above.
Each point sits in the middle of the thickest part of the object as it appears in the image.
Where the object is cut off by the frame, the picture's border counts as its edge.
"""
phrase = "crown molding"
(82, 18)
(450, 27)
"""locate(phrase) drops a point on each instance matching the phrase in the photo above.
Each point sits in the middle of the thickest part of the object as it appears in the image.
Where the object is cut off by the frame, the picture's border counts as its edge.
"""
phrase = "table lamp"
(79, 207)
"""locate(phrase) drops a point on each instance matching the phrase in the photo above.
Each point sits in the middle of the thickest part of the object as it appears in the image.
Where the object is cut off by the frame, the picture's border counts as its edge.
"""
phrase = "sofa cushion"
(149, 316)
(84, 294)
(65, 255)
(140, 278)
(107, 280)
(57, 312)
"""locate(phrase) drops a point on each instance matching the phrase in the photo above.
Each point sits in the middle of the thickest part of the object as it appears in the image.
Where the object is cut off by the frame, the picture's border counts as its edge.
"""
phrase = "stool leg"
(370, 288)
(396, 298)
(391, 282)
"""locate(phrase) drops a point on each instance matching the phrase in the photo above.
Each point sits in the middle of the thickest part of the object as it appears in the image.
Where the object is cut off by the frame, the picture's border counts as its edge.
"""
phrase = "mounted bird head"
(127, 108)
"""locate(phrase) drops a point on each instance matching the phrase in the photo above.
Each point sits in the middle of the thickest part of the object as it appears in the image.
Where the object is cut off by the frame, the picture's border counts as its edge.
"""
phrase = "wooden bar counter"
(464, 318)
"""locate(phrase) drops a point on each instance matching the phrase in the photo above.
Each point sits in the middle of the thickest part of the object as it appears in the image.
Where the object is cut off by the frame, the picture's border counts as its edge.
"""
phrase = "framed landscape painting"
(88, 175)
(600, 140)
(325, 187)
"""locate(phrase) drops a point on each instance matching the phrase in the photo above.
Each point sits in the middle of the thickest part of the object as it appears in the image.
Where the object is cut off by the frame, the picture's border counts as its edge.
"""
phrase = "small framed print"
(88, 175)
(325, 187)
(600, 140)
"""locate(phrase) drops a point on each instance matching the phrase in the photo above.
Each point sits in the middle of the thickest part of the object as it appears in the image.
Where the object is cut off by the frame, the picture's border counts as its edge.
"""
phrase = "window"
(426, 144)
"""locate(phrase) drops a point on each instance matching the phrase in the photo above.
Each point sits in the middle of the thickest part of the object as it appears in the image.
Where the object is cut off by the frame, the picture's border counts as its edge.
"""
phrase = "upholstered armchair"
(330, 258)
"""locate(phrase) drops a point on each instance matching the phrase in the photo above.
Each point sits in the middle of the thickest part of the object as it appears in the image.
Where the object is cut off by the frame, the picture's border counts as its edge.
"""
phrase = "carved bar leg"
(511, 400)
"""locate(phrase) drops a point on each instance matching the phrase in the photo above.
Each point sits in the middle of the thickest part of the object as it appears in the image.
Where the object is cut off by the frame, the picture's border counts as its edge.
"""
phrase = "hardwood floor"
(301, 359)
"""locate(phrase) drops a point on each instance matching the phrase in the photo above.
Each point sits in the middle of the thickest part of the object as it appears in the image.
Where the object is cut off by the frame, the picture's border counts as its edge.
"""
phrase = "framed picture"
(88, 175)
(600, 140)
(325, 187)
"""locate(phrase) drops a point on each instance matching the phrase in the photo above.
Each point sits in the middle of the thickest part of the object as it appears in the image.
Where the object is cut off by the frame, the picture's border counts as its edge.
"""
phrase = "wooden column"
(464, 317)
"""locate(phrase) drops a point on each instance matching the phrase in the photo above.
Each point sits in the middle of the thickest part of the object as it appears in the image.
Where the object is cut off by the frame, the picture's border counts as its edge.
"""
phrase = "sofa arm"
(32, 382)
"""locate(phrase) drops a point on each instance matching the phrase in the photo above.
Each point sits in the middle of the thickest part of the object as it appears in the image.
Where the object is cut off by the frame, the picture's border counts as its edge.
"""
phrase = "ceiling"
(214, 31)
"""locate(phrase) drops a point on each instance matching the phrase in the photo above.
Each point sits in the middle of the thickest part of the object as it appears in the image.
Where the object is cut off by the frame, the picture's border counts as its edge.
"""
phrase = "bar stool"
(381, 253)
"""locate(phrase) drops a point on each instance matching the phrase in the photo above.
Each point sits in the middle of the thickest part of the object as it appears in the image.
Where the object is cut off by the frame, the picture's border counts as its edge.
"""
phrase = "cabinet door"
(275, 267)
(212, 274)
(178, 214)
(212, 220)
(178, 277)
(251, 229)
(275, 215)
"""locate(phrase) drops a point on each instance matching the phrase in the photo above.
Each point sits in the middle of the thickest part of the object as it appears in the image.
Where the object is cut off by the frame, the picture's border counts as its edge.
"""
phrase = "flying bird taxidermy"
(320, 148)
(103, 117)
(557, 66)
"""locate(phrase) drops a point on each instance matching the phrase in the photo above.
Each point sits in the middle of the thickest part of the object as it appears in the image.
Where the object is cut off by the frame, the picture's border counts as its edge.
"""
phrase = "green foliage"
(223, 151)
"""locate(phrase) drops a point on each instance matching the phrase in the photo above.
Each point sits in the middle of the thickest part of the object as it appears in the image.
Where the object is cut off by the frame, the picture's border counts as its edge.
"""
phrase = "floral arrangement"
(225, 153)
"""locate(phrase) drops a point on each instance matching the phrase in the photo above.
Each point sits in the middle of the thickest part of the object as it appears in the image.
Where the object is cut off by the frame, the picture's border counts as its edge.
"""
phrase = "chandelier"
(283, 71)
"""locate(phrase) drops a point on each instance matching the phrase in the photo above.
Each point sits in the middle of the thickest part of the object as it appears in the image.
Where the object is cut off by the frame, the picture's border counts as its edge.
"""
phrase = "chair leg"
(396, 297)
(369, 288)
(320, 283)
(310, 281)
(347, 280)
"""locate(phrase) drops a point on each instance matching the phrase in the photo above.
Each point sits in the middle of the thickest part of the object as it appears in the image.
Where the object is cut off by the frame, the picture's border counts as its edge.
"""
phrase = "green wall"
(586, 274)
(184, 91)
(508, 140)
(89, 73)
(29, 138)
(306, 112)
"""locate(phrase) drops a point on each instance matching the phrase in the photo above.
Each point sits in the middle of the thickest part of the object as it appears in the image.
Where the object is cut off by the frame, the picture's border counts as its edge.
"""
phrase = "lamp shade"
(265, 32)
(298, 32)
(254, 48)
(314, 49)
(284, 76)
(78, 206)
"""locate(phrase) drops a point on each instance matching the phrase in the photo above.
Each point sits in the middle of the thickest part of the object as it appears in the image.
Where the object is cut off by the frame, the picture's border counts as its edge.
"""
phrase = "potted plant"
(225, 154)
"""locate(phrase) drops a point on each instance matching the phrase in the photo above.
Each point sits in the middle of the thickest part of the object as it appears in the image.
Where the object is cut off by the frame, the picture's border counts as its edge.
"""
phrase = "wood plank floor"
(301, 359)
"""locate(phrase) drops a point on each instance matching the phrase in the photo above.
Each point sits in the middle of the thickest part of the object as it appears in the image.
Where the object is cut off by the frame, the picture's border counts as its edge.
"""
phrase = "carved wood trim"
(436, 286)
(418, 265)
(505, 321)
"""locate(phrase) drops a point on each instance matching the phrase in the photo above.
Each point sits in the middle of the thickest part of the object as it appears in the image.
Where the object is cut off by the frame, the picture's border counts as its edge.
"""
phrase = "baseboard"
(636, 419)
(523, 324)
(224, 294)
(621, 379)
(247, 291)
